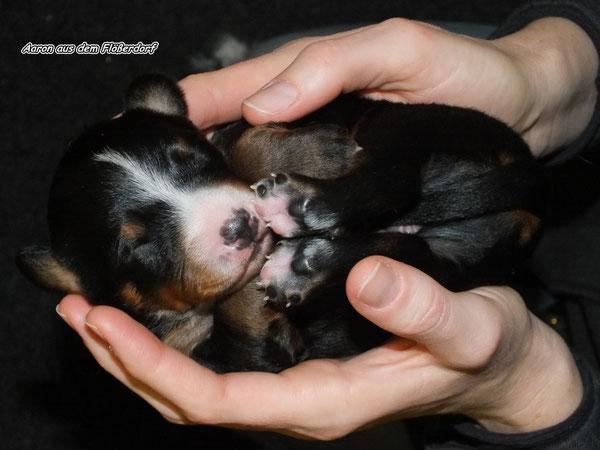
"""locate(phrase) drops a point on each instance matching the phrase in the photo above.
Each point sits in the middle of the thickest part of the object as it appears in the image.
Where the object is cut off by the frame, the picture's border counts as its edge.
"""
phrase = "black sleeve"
(586, 14)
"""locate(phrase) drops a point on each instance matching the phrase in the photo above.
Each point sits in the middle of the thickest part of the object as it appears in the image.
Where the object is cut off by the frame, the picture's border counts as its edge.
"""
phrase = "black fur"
(448, 190)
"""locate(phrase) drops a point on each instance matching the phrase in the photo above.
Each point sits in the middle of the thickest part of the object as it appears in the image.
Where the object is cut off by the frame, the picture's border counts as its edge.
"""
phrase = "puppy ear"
(40, 266)
(156, 93)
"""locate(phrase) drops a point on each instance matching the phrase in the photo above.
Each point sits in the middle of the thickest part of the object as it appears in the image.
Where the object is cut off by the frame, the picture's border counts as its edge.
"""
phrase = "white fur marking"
(150, 184)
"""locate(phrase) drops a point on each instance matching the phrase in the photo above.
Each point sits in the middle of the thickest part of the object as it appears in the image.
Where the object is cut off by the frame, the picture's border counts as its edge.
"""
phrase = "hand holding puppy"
(480, 353)
(539, 80)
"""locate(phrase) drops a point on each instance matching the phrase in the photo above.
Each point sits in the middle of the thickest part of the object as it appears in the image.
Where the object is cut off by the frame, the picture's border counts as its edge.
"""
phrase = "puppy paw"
(291, 206)
(293, 271)
(273, 198)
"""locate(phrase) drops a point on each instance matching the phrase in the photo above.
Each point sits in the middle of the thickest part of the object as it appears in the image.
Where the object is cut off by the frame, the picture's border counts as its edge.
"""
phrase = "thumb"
(216, 97)
(319, 73)
(462, 330)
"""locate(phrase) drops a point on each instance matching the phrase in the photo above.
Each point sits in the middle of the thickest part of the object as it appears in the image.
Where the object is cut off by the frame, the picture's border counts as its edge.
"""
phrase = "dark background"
(53, 395)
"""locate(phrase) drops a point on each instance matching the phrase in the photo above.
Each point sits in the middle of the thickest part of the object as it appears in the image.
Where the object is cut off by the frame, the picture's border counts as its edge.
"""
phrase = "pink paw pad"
(277, 267)
(271, 204)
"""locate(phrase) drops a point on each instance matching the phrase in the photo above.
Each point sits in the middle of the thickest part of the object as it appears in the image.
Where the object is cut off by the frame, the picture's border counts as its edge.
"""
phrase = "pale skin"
(479, 353)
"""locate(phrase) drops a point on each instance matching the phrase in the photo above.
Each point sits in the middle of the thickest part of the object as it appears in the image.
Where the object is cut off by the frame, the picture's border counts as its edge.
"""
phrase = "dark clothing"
(566, 263)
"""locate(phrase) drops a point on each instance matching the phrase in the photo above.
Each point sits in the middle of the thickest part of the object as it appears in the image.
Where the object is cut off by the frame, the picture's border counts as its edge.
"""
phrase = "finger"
(320, 73)
(289, 402)
(216, 97)
(165, 378)
(74, 309)
(337, 64)
(197, 391)
(462, 329)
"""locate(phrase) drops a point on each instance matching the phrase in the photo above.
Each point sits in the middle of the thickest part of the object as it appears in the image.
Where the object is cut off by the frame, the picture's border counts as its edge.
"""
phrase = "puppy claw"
(271, 292)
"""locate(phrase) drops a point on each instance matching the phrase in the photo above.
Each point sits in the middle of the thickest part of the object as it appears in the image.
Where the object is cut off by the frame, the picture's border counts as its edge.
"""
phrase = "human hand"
(479, 353)
(540, 80)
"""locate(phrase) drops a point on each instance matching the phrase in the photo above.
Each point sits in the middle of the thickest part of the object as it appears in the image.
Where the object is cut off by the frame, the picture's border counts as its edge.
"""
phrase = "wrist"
(560, 63)
(541, 389)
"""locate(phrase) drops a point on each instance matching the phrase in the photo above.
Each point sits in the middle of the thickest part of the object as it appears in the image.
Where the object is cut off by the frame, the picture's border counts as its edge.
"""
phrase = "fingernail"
(63, 316)
(273, 98)
(95, 329)
(380, 287)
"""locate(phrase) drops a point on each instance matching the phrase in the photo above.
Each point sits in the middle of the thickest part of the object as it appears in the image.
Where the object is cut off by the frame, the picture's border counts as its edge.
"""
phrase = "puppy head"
(144, 214)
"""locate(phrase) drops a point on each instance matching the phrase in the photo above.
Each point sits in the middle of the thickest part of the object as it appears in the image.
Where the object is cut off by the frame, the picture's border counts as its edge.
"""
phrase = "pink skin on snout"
(208, 210)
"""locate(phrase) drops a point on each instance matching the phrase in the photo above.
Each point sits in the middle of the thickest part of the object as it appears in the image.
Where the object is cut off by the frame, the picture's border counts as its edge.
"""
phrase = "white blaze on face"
(200, 213)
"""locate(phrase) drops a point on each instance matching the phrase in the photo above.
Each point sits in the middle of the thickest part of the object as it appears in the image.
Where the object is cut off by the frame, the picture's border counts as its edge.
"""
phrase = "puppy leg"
(320, 151)
(299, 269)
(369, 198)
(459, 255)
(247, 335)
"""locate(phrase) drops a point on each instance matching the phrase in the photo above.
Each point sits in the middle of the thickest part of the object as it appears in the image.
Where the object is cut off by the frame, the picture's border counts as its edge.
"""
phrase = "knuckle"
(508, 333)
(409, 32)
(395, 24)
(427, 311)
(483, 351)
(505, 321)
(325, 52)
(299, 43)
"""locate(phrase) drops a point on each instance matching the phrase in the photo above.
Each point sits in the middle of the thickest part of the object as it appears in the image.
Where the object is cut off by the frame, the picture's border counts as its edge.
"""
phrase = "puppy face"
(143, 212)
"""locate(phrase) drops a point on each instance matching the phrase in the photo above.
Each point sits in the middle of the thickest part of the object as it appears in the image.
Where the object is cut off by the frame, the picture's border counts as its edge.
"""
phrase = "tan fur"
(190, 333)
(131, 296)
(270, 148)
(132, 231)
(246, 310)
(63, 278)
(506, 158)
(202, 282)
(528, 223)
(48, 272)
(175, 298)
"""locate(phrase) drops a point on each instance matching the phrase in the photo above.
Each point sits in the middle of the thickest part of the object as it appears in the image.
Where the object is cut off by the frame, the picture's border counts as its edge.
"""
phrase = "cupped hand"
(479, 353)
(539, 80)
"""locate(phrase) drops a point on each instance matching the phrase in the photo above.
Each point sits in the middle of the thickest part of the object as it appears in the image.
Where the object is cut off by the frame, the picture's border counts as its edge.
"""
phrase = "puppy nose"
(241, 230)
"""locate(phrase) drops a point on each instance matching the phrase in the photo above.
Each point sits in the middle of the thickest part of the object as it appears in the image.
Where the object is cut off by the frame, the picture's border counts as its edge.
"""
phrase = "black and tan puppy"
(148, 215)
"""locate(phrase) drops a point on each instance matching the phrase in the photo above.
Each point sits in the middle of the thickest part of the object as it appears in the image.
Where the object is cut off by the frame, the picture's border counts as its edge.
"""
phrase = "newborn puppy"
(148, 215)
